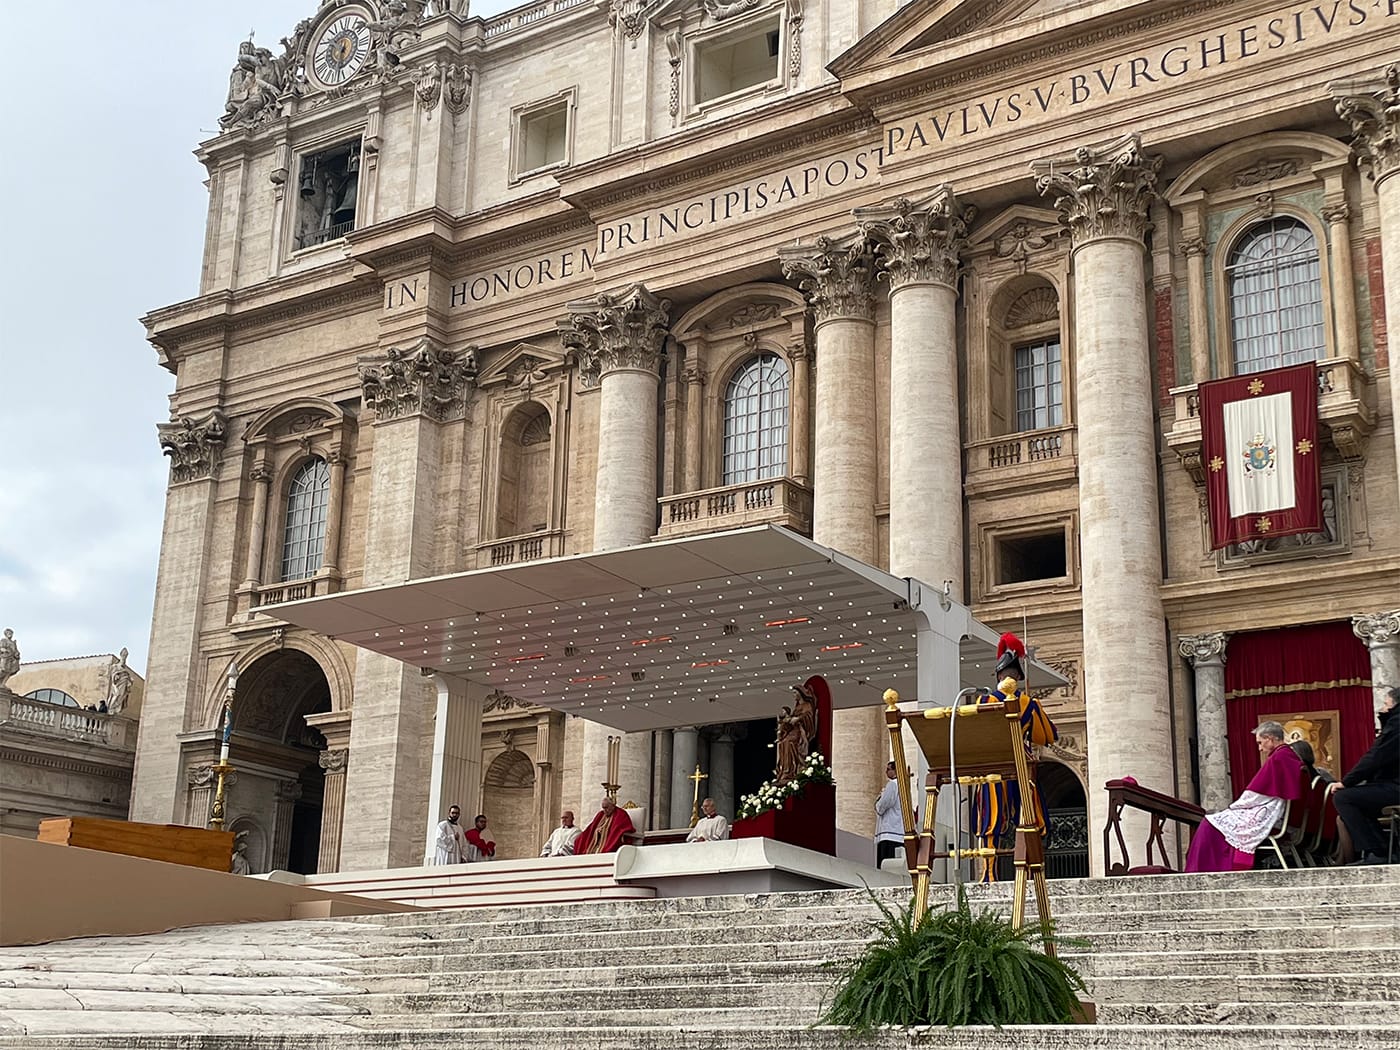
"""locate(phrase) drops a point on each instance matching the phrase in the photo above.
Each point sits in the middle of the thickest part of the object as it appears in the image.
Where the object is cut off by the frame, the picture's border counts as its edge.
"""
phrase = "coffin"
(173, 843)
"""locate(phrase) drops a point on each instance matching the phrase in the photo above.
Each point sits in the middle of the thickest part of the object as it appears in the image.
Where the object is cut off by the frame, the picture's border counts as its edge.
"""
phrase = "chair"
(1319, 839)
(1310, 821)
(1391, 814)
(1286, 831)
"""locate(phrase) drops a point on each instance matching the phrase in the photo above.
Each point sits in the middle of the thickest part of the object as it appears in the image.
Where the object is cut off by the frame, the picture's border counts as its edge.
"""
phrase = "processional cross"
(697, 776)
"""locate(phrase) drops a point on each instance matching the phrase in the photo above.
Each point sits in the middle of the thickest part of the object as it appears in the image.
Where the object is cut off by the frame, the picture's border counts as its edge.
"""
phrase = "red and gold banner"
(1260, 451)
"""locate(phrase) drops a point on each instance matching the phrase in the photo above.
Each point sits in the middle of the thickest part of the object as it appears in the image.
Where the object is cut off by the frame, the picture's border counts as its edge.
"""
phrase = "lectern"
(970, 745)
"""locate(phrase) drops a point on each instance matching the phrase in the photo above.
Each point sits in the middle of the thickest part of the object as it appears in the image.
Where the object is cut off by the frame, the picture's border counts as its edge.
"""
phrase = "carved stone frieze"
(919, 241)
(795, 16)
(617, 330)
(1372, 108)
(630, 17)
(334, 761)
(195, 445)
(754, 313)
(1265, 169)
(720, 11)
(422, 379)
(427, 83)
(836, 275)
(1102, 191)
(1203, 648)
(1377, 629)
(457, 88)
(1020, 241)
(674, 52)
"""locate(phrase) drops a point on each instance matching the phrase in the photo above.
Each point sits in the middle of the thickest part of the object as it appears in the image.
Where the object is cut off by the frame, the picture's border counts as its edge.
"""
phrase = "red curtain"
(1319, 667)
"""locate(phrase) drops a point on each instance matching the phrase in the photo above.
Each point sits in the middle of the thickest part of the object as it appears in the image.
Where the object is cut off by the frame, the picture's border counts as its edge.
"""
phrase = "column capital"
(836, 274)
(919, 241)
(424, 379)
(1372, 107)
(335, 760)
(1377, 629)
(1103, 190)
(260, 473)
(694, 375)
(617, 330)
(1336, 213)
(195, 445)
(1203, 649)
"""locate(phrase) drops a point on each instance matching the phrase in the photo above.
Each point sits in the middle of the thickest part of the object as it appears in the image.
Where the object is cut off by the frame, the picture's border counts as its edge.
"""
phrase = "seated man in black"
(1372, 784)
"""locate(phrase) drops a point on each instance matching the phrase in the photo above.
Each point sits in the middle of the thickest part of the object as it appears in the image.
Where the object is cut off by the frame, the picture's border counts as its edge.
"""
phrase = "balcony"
(1041, 458)
(1342, 388)
(773, 501)
(512, 550)
(292, 590)
(72, 723)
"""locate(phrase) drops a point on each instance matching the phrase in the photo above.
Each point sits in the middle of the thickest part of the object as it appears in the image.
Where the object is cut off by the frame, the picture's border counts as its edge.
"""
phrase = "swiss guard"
(996, 808)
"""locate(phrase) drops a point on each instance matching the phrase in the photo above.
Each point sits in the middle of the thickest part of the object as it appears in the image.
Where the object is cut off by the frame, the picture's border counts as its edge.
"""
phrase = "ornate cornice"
(195, 445)
(919, 241)
(1377, 629)
(1103, 190)
(1203, 648)
(617, 330)
(423, 379)
(1372, 108)
(335, 760)
(837, 276)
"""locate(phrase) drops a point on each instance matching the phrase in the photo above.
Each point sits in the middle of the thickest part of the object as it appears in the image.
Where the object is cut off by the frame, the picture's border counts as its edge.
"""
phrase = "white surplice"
(451, 845)
(709, 829)
(561, 843)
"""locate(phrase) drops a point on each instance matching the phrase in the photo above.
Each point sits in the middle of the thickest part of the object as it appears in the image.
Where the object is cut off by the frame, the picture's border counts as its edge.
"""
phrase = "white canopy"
(707, 629)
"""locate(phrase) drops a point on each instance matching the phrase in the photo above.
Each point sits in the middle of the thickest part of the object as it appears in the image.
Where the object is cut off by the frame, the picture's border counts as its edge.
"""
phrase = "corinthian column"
(838, 277)
(619, 341)
(1372, 107)
(414, 393)
(1381, 633)
(1206, 654)
(919, 245)
(1103, 193)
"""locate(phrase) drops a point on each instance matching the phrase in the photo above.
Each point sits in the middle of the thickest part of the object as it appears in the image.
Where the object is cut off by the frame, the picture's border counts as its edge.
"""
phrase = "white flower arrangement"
(773, 796)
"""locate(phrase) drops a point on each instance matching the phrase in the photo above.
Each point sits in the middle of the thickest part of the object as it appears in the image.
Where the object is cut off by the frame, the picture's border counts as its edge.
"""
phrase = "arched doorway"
(509, 804)
(1066, 809)
(280, 782)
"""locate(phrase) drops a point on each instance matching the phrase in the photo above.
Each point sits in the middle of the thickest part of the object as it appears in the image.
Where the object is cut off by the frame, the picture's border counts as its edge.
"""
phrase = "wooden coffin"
(173, 843)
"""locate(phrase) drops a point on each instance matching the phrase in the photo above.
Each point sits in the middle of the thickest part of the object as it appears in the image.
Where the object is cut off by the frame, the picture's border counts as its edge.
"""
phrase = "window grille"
(304, 538)
(1275, 290)
(756, 421)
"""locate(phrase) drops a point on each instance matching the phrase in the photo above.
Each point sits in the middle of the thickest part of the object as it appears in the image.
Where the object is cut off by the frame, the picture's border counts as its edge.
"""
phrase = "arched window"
(524, 482)
(52, 696)
(1275, 289)
(756, 421)
(304, 539)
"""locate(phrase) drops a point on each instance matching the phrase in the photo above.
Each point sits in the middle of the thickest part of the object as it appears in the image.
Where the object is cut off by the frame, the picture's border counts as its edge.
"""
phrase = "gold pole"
(217, 812)
(697, 776)
(614, 753)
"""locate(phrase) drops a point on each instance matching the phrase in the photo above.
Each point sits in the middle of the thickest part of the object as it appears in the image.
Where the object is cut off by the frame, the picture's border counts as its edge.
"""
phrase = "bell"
(308, 183)
(353, 164)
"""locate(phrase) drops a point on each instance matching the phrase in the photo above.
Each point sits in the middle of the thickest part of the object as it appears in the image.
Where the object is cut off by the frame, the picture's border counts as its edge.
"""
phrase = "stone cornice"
(119, 771)
(1213, 603)
(919, 241)
(1372, 108)
(837, 276)
(1102, 190)
(618, 330)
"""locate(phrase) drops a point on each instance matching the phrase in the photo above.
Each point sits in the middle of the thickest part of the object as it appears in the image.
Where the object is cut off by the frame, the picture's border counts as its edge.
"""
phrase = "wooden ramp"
(539, 880)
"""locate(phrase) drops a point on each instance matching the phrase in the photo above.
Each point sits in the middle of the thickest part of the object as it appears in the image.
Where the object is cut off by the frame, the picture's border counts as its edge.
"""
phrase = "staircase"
(1295, 959)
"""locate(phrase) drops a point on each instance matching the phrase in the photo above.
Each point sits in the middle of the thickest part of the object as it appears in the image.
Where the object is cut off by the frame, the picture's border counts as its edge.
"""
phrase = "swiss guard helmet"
(1010, 652)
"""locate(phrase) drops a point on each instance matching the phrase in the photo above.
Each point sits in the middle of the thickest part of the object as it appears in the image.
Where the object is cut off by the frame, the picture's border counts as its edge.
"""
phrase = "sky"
(102, 210)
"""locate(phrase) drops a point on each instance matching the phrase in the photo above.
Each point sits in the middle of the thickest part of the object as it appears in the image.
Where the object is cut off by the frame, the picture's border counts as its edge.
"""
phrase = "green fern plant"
(956, 967)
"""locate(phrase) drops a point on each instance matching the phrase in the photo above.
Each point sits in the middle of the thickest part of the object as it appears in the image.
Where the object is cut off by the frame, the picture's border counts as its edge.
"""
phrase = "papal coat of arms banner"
(1260, 450)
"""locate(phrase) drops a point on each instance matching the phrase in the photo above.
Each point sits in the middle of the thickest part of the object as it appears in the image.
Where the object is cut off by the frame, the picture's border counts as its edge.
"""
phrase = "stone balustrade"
(72, 722)
(512, 550)
(1011, 460)
(773, 501)
(1342, 407)
(291, 590)
(528, 15)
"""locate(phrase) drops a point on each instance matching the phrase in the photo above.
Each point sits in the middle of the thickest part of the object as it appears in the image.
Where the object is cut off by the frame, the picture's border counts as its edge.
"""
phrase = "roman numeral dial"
(340, 49)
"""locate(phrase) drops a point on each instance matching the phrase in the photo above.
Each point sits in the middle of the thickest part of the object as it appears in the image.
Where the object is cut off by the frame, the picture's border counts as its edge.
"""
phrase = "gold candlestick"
(614, 753)
(216, 813)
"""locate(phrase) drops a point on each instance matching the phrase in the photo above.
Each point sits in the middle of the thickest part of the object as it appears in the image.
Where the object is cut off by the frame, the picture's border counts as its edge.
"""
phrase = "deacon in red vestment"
(1225, 841)
(479, 847)
(604, 833)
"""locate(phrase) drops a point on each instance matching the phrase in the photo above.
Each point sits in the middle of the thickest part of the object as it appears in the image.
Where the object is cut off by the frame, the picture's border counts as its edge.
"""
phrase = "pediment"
(924, 23)
(1020, 222)
(523, 364)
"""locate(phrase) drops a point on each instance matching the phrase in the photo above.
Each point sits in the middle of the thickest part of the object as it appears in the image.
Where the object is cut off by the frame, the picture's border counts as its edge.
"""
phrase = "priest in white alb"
(561, 842)
(711, 827)
(451, 844)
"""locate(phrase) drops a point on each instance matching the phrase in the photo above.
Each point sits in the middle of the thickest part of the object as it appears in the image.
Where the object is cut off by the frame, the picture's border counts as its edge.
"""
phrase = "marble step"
(152, 1029)
(677, 955)
(1242, 963)
(589, 1016)
(15, 1001)
(293, 984)
(661, 999)
(1376, 1012)
(1356, 985)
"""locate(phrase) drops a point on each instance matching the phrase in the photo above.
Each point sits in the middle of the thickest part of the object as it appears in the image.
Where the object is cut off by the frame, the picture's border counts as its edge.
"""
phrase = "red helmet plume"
(1010, 652)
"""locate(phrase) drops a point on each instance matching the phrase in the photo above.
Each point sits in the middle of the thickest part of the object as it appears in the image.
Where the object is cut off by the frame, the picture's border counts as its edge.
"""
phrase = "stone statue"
(446, 7)
(118, 684)
(791, 746)
(253, 85)
(9, 658)
(240, 865)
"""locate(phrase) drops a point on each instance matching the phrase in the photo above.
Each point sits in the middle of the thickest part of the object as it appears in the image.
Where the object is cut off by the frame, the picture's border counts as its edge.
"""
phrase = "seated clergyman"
(561, 842)
(605, 831)
(711, 827)
(1226, 841)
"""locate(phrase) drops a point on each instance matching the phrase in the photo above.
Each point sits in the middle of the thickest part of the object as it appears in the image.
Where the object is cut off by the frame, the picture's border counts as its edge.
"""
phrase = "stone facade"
(486, 301)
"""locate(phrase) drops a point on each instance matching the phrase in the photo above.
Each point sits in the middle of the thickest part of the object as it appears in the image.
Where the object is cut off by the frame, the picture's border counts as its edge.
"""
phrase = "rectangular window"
(542, 137)
(1039, 389)
(740, 60)
(1029, 557)
(328, 187)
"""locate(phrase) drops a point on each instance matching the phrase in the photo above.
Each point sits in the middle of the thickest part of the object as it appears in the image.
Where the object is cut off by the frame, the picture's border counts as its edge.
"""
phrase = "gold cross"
(697, 776)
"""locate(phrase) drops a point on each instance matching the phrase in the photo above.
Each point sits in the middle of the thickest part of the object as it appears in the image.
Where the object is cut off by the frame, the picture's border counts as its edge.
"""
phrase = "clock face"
(340, 50)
